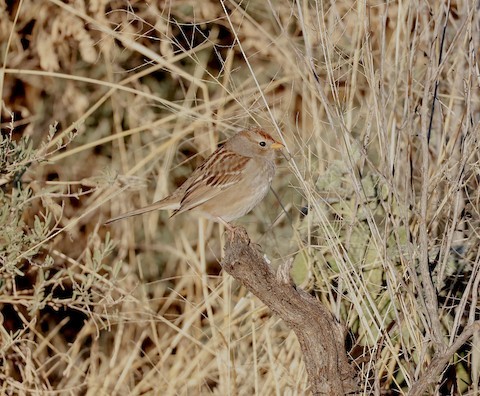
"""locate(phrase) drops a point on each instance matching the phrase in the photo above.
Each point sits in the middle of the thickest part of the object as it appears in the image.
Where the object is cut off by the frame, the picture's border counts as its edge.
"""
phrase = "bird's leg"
(228, 226)
(234, 232)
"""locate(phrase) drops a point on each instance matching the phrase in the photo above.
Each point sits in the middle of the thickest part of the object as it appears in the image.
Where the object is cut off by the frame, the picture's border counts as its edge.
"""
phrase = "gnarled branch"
(321, 337)
(440, 361)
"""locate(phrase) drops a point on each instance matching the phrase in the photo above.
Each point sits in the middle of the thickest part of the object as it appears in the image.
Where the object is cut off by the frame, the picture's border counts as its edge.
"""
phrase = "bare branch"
(320, 336)
(440, 360)
(431, 300)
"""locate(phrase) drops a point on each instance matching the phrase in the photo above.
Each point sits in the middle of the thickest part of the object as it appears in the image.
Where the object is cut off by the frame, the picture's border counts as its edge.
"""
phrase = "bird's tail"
(163, 204)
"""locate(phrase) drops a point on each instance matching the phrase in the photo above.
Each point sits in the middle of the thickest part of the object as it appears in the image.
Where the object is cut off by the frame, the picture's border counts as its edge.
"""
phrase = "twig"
(431, 300)
(437, 365)
(320, 336)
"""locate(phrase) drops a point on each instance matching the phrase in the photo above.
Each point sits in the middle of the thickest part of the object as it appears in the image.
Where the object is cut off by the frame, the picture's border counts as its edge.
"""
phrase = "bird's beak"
(277, 146)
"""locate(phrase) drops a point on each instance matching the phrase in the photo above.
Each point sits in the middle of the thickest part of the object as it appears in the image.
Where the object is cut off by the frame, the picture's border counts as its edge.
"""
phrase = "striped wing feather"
(218, 173)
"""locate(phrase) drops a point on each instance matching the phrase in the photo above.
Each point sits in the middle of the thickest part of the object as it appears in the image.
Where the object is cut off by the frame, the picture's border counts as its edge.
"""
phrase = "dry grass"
(141, 91)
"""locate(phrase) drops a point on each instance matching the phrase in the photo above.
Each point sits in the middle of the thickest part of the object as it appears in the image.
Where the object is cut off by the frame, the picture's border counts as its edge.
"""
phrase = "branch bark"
(321, 337)
(440, 361)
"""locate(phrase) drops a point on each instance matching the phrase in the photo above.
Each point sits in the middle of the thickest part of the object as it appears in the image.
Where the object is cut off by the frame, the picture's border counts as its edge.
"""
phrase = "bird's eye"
(263, 144)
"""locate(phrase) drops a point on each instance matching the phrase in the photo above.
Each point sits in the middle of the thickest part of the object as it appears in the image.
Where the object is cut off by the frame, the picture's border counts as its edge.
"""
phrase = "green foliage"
(18, 242)
(28, 228)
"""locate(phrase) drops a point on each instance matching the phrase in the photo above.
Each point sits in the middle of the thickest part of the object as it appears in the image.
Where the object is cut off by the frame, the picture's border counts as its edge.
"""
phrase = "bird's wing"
(220, 172)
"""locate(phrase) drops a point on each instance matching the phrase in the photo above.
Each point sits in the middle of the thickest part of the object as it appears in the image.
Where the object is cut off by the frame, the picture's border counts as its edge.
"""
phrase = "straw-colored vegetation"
(108, 105)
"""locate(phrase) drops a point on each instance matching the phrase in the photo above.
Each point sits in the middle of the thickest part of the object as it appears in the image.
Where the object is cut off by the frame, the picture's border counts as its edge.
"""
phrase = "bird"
(228, 184)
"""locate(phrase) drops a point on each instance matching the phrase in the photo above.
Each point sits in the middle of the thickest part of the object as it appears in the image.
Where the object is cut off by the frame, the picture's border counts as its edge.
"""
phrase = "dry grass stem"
(107, 106)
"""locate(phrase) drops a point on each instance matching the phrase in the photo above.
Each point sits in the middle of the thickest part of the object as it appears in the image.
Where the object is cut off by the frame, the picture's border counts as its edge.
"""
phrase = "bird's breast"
(244, 196)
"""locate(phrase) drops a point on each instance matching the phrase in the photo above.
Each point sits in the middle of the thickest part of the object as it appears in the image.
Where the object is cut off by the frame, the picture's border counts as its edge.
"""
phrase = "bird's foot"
(233, 232)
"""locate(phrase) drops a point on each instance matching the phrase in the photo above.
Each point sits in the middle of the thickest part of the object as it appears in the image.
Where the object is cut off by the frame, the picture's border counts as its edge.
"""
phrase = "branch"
(321, 337)
(440, 360)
